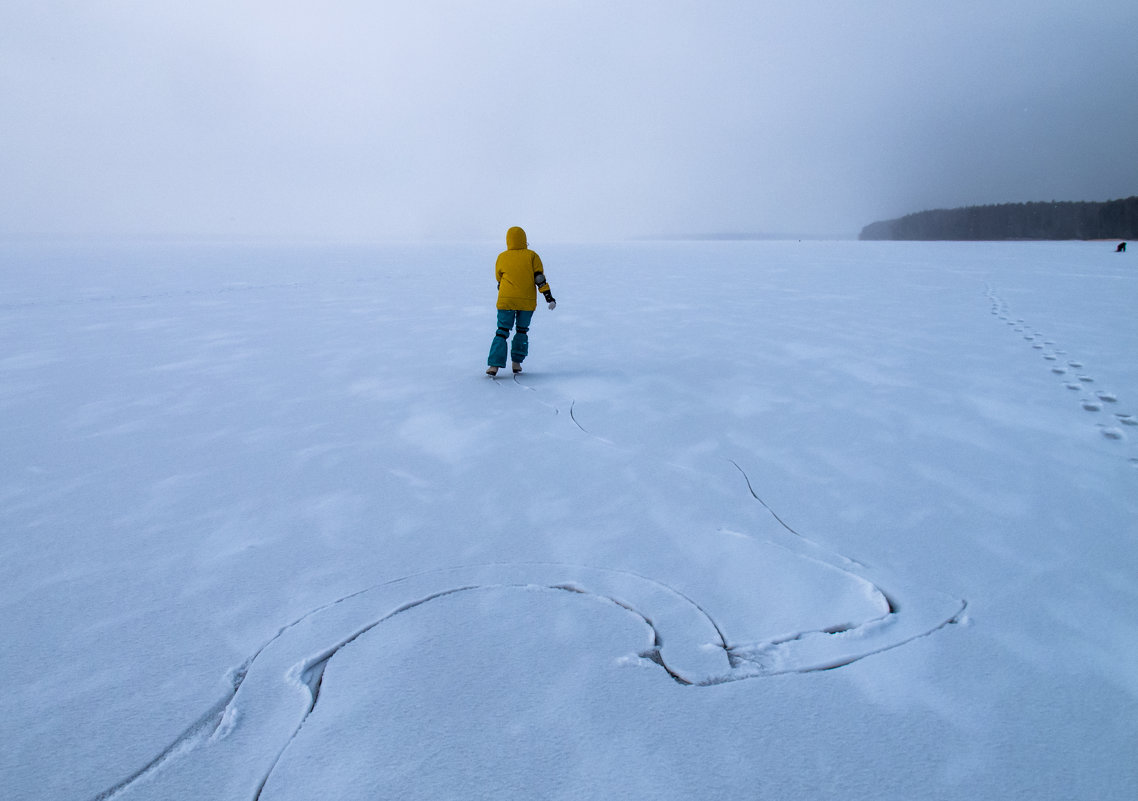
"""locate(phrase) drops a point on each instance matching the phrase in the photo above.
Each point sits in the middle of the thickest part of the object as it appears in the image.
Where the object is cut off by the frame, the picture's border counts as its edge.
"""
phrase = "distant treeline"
(1114, 219)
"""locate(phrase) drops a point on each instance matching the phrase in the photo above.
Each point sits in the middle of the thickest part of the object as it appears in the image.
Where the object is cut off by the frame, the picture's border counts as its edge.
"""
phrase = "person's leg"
(519, 349)
(497, 357)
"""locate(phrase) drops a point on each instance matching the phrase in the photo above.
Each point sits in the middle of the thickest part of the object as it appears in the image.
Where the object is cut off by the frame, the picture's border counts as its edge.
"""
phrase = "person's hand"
(549, 299)
(552, 305)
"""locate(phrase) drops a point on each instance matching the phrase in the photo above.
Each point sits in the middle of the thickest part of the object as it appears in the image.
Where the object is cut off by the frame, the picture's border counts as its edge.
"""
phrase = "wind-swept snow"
(789, 520)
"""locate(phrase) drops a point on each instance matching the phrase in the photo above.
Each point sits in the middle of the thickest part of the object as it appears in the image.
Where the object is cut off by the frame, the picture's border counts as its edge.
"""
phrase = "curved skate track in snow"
(242, 739)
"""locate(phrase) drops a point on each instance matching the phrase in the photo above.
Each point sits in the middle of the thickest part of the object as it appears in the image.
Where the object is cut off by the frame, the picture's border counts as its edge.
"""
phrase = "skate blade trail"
(278, 688)
(931, 613)
(573, 416)
(523, 385)
(925, 612)
(750, 488)
(240, 740)
(556, 408)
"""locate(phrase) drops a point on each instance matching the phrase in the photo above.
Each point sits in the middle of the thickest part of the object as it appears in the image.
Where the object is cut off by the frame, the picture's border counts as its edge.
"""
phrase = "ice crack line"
(1072, 372)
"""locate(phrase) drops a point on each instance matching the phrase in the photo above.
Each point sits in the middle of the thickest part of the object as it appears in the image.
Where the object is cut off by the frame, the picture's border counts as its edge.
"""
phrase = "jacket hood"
(516, 239)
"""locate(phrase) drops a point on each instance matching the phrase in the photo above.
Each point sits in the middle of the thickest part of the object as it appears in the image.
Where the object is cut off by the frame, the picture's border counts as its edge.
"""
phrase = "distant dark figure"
(1121, 248)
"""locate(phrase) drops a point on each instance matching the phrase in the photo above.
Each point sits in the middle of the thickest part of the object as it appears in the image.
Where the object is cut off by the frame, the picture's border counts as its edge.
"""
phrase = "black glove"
(549, 299)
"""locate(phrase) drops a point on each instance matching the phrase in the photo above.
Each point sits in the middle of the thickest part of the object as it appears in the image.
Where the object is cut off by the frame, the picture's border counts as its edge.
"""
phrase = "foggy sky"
(367, 119)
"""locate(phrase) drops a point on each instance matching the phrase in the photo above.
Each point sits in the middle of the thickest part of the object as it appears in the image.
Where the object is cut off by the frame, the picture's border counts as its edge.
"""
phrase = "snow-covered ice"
(786, 520)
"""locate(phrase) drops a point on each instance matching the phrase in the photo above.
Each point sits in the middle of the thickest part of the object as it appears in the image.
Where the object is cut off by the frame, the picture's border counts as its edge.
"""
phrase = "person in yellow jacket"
(520, 277)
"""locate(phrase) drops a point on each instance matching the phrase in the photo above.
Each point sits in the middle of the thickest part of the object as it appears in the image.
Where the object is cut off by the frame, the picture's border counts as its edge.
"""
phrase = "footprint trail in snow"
(1072, 372)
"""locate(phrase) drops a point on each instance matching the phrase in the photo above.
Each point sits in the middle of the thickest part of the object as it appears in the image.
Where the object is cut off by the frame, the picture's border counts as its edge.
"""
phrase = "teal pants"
(507, 319)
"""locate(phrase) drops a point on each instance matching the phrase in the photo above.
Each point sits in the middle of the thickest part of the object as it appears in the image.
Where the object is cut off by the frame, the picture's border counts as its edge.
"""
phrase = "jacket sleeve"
(539, 274)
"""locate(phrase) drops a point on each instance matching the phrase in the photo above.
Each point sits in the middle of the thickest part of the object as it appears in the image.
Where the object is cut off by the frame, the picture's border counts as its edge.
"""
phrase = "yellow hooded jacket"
(517, 272)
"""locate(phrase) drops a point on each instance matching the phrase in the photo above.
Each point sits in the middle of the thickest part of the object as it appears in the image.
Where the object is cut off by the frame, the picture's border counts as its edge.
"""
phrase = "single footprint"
(1091, 406)
(1073, 386)
(1075, 364)
(1086, 379)
(1127, 419)
(1107, 397)
(1112, 433)
(1059, 370)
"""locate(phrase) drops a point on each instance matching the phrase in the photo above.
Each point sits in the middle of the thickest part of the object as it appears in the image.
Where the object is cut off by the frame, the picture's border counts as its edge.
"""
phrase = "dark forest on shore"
(1113, 219)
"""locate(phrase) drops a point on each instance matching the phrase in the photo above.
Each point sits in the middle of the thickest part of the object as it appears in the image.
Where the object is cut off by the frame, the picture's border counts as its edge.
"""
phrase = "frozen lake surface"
(762, 520)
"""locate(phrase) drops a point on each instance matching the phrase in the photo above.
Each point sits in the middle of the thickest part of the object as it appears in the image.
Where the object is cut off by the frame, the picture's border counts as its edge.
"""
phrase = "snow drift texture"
(772, 520)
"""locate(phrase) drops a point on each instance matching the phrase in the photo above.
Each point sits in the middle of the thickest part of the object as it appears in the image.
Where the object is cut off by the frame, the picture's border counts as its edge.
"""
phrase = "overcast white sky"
(368, 119)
